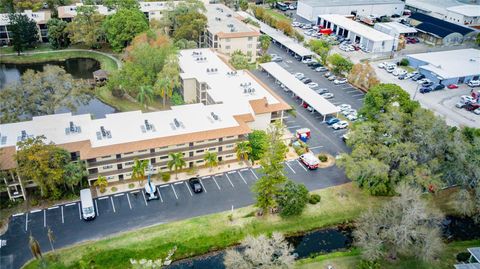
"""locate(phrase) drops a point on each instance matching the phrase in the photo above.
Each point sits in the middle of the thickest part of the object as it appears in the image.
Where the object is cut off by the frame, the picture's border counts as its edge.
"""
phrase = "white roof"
(225, 90)
(278, 36)
(451, 63)
(317, 102)
(356, 27)
(38, 16)
(71, 10)
(466, 10)
(222, 19)
(330, 3)
(155, 6)
(397, 27)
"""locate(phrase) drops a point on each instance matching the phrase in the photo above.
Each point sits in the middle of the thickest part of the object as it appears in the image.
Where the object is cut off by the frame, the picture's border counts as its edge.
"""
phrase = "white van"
(474, 83)
(88, 211)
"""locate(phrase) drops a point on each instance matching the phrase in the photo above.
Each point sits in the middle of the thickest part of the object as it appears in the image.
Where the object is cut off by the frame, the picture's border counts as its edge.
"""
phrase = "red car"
(452, 86)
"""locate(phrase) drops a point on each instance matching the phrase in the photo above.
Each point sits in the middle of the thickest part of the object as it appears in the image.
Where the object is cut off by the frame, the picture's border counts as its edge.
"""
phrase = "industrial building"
(371, 39)
(40, 17)
(226, 105)
(447, 10)
(311, 9)
(448, 67)
(398, 31)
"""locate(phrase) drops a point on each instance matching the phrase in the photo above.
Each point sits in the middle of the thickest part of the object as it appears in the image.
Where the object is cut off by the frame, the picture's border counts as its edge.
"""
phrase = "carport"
(278, 37)
(309, 96)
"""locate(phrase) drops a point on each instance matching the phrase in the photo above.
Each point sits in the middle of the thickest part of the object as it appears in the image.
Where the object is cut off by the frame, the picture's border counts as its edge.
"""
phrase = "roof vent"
(72, 129)
(3, 139)
(176, 124)
(214, 116)
(147, 127)
(23, 136)
(103, 134)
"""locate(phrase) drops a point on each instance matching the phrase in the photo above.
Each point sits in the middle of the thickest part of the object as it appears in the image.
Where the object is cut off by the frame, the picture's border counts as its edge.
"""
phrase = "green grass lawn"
(277, 15)
(39, 47)
(349, 259)
(119, 104)
(207, 233)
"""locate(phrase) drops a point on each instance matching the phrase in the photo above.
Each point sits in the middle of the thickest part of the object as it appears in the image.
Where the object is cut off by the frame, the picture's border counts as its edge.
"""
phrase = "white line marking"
(360, 99)
(188, 187)
(244, 169)
(96, 207)
(63, 220)
(356, 95)
(243, 178)
(164, 186)
(295, 126)
(144, 199)
(176, 183)
(351, 91)
(113, 205)
(301, 165)
(103, 198)
(338, 131)
(134, 191)
(79, 211)
(251, 170)
(218, 186)
(205, 177)
(70, 204)
(44, 218)
(232, 172)
(18, 214)
(218, 175)
(290, 167)
(316, 147)
(160, 195)
(119, 194)
(53, 207)
(128, 199)
(230, 181)
(201, 183)
(26, 222)
(174, 192)
(35, 211)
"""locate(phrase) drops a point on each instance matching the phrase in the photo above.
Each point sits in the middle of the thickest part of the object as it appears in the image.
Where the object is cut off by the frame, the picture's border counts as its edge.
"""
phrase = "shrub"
(463, 256)
(166, 177)
(34, 202)
(131, 185)
(404, 62)
(192, 170)
(114, 189)
(230, 217)
(292, 199)
(314, 199)
(364, 264)
(322, 157)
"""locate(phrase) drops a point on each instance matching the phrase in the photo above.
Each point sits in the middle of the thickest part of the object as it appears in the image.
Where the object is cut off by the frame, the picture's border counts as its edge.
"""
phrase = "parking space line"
(53, 207)
(338, 131)
(201, 183)
(205, 177)
(218, 186)
(316, 147)
(144, 199)
(243, 170)
(18, 214)
(255, 175)
(301, 165)
(96, 207)
(79, 211)
(188, 187)
(70, 204)
(295, 126)
(174, 192)
(360, 99)
(352, 90)
(119, 194)
(103, 198)
(113, 205)
(244, 181)
(177, 183)
(164, 186)
(35, 211)
(230, 181)
(63, 220)
(128, 199)
(290, 167)
(356, 95)
(160, 195)
(26, 222)
(44, 218)
(232, 172)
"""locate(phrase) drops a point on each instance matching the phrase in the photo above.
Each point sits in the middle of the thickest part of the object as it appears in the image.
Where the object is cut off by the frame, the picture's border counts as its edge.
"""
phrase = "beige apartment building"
(226, 105)
(226, 33)
(40, 17)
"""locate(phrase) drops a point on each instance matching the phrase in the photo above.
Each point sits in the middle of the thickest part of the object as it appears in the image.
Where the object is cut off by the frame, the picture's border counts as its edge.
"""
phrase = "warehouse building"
(447, 67)
(40, 17)
(398, 31)
(310, 9)
(226, 105)
(371, 39)
(447, 10)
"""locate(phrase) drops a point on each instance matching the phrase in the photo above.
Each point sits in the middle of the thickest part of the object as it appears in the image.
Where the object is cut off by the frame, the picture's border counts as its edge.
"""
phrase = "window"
(164, 157)
(212, 149)
(128, 163)
(229, 156)
(198, 142)
(107, 166)
(250, 38)
(227, 40)
(230, 137)
(106, 157)
(199, 161)
(145, 150)
(180, 145)
(127, 153)
(229, 146)
(227, 47)
(212, 140)
(200, 151)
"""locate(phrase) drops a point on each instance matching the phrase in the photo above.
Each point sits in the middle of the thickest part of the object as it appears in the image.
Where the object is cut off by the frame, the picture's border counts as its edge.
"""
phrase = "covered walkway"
(309, 96)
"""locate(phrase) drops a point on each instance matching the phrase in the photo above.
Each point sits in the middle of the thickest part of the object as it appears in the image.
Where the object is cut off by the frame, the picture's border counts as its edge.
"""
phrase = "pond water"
(81, 68)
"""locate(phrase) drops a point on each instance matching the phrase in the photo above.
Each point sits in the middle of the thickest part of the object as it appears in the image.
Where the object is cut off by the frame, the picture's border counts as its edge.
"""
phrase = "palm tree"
(161, 87)
(243, 150)
(145, 95)
(169, 78)
(138, 170)
(176, 162)
(211, 159)
(35, 247)
(265, 42)
(101, 183)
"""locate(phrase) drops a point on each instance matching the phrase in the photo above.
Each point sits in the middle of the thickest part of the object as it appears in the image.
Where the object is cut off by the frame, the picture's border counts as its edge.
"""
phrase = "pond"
(80, 68)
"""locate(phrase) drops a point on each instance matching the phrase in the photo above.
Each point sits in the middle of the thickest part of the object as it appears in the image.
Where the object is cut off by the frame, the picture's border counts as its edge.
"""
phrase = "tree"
(243, 5)
(42, 93)
(211, 159)
(292, 199)
(177, 99)
(121, 4)
(86, 28)
(265, 42)
(405, 225)
(261, 252)
(340, 65)
(185, 20)
(243, 150)
(363, 75)
(34, 247)
(322, 48)
(73, 174)
(145, 95)
(258, 141)
(122, 26)
(51, 237)
(101, 183)
(138, 170)
(239, 60)
(42, 163)
(28, 4)
(23, 32)
(57, 33)
(176, 162)
(268, 187)
(169, 78)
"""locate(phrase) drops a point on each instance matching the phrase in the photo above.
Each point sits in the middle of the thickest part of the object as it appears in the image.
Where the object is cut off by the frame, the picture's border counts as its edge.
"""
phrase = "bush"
(34, 202)
(404, 62)
(322, 157)
(314, 199)
(131, 185)
(230, 217)
(192, 170)
(166, 177)
(114, 189)
(364, 264)
(292, 199)
(463, 256)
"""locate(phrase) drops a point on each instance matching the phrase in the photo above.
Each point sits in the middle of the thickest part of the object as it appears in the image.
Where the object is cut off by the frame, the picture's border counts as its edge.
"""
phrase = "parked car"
(340, 125)
(452, 86)
(418, 77)
(344, 107)
(299, 75)
(306, 61)
(332, 77)
(399, 71)
(477, 111)
(321, 69)
(425, 89)
(410, 75)
(307, 80)
(382, 65)
(403, 76)
(340, 81)
(332, 121)
(466, 99)
(312, 85)
(346, 112)
(310, 160)
(472, 106)
(327, 95)
(474, 83)
(315, 65)
(327, 74)
(321, 91)
(310, 109)
(352, 117)
(194, 183)
(277, 59)
(427, 83)
(460, 104)
(438, 87)
(390, 69)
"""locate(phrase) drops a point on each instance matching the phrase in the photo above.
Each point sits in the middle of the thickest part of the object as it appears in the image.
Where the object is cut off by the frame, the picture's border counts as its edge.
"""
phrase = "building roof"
(467, 266)
(475, 253)
(71, 11)
(156, 6)
(397, 27)
(223, 22)
(181, 124)
(356, 27)
(317, 102)
(438, 27)
(278, 36)
(451, 63)
(39, 17)
(466, 10)
(329, 3)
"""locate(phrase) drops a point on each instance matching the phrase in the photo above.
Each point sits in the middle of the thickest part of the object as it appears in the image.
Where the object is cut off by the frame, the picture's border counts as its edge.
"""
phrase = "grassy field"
(348, 260)
(339, 204)
(277, 15)
(40, 47)
(120, 104)
(106, 62)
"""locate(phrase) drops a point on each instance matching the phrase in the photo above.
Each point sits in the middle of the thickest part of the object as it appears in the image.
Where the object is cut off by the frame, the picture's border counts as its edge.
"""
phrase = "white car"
(399, 71)
(332, 77)
(312, 85)
(307, 61)
(352, 117)
(340, 125)
(466, 99)
(474, 83)
(349, 111)
(423, 80)
(344, 107)
(477, 111)
(390, 69)
(309, 108)
(340, 81)
(327, 95)
(321, 69)
(410, 75)
(382, 65)
(299, 75)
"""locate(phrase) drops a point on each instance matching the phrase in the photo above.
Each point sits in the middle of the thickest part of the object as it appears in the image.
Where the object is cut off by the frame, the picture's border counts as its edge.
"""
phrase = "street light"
(416, 90)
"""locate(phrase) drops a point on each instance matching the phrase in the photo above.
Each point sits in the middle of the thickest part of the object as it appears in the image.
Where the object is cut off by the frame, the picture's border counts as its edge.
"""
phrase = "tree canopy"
(292, 199)
(86, 28)
(322, 48)
(239, 60)
(23, 32)
(57, 33)
(122, 26)
(258, 141)
(185, 20)
(340, 65)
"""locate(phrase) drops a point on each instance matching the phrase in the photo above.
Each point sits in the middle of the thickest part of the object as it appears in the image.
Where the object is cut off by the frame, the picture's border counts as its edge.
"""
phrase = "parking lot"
(130, 210)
